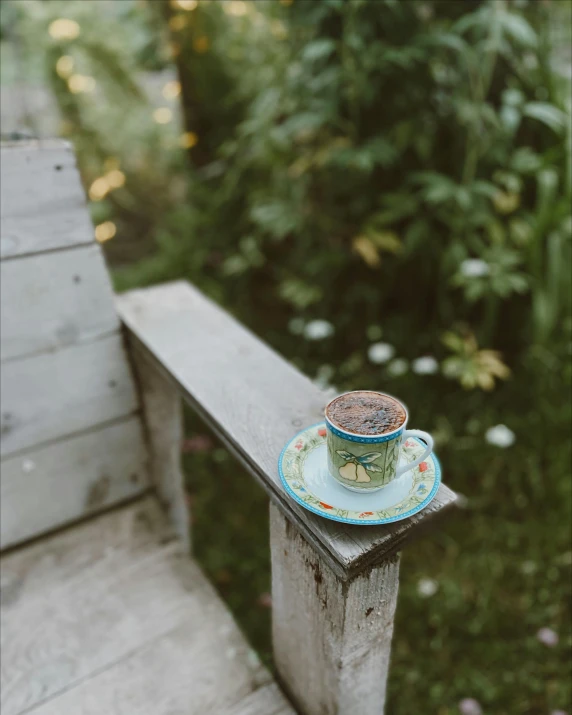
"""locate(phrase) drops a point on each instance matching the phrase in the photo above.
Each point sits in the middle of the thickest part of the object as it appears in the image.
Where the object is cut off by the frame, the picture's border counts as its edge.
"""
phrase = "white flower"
(426, 365)
(548, 637)
(462, 501)
(500, 436)
(318, 330)
(427, 587)
(474, 268)
(469, 706)
(323, 376)
(398, 367)
(378, 353)
(296, 326)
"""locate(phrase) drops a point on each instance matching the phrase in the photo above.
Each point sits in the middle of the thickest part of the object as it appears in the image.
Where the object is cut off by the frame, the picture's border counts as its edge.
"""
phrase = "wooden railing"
(334, 586)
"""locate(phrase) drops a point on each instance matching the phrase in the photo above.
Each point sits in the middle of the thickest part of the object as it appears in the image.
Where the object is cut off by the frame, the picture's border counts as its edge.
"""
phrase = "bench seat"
(111, 617)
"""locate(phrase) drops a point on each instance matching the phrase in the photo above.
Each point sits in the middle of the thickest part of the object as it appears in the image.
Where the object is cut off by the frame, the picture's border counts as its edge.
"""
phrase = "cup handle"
(428, 449)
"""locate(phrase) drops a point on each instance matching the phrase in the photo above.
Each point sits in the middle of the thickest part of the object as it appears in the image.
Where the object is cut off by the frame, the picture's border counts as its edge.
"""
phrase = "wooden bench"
(110, 615)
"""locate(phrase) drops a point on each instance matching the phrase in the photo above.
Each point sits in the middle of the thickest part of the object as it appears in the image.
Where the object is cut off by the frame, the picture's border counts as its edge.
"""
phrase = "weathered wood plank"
(52, 300)
(162, 411)
(42, 201)
(331, 639)
(65, 480)
(36, 569)
(109, 618)
(201, 666)
(268, 700)
(54, 395)
(255, 401)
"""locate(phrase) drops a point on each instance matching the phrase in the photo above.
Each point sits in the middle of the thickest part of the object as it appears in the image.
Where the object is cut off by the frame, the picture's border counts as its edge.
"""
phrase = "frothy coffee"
(368, 413)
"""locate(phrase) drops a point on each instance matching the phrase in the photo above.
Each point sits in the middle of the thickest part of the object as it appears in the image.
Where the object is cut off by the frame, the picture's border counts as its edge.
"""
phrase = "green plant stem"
(490, 319)
(480, 89)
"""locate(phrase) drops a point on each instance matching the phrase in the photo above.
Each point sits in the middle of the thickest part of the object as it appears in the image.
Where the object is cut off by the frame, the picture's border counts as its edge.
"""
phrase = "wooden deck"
(110, 617)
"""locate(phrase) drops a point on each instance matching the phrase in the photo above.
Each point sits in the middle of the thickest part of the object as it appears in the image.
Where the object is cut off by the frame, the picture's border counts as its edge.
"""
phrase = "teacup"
(364, 456)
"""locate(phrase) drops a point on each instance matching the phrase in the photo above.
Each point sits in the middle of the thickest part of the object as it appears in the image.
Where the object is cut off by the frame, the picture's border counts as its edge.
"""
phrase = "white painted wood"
(109, 618)
(51, 300)
(162, 410)
(54, 395)
(42, 201)
(331, 638)
(255, 401)
(65, 480)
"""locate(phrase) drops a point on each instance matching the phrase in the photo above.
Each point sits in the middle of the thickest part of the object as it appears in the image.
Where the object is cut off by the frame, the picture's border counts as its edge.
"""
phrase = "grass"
(501, 565)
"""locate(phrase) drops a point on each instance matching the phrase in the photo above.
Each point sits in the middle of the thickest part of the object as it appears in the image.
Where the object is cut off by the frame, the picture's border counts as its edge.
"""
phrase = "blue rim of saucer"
(344, 520)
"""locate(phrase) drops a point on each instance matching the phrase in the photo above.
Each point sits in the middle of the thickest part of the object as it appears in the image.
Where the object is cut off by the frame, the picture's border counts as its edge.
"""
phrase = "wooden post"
(331, 638)
(164, 430)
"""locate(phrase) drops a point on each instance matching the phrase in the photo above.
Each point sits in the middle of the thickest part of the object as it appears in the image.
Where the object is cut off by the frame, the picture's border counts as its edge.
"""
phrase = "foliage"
(338, 173)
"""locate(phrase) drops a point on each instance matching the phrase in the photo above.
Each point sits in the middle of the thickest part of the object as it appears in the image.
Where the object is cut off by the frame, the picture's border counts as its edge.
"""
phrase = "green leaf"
(520, 231)
(510, 118)
(369, 457)
(345, 455)
(484, 188)
(299, 293)
(318, 49)
(518, 29)
(513, 96)
(525, 161)
(276, 217)
(480, 19)
(235, 265)
(415, 235)
(453, 341)
(451, 41)
(398, 206)
(385, 240)
(546, 113)
(373, 468)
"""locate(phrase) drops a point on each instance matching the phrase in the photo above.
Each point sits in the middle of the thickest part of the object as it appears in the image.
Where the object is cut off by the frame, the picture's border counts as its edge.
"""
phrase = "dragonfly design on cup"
(356, 469)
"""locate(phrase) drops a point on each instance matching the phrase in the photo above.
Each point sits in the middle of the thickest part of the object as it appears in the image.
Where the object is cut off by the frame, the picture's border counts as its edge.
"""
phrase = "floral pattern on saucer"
(425, 481)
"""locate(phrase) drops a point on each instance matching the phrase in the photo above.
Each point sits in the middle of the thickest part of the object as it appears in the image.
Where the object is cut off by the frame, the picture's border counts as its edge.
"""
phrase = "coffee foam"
(366, 413)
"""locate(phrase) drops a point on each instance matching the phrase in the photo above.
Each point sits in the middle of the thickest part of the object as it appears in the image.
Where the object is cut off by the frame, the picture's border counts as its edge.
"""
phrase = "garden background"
(380, 190)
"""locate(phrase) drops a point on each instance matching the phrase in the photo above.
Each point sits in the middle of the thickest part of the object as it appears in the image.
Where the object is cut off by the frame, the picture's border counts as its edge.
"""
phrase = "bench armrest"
(255, 401)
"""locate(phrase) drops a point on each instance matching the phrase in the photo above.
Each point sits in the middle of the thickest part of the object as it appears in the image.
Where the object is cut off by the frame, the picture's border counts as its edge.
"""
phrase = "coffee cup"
(365, 431)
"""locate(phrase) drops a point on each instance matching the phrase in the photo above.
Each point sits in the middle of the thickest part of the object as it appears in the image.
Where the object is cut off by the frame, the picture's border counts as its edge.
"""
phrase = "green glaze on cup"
(369, 462)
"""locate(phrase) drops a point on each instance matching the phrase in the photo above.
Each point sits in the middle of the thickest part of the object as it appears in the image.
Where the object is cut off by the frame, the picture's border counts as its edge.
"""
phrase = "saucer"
(304, 473)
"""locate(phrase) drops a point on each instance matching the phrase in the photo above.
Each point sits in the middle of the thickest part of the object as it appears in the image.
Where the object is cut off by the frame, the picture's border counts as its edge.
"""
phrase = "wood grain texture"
(331, 639)
(65, 480)
(162, 411)
(52, 300)
(54, 395)
(42, 201)
(111, 618)
(255, 401)
(268, 700)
